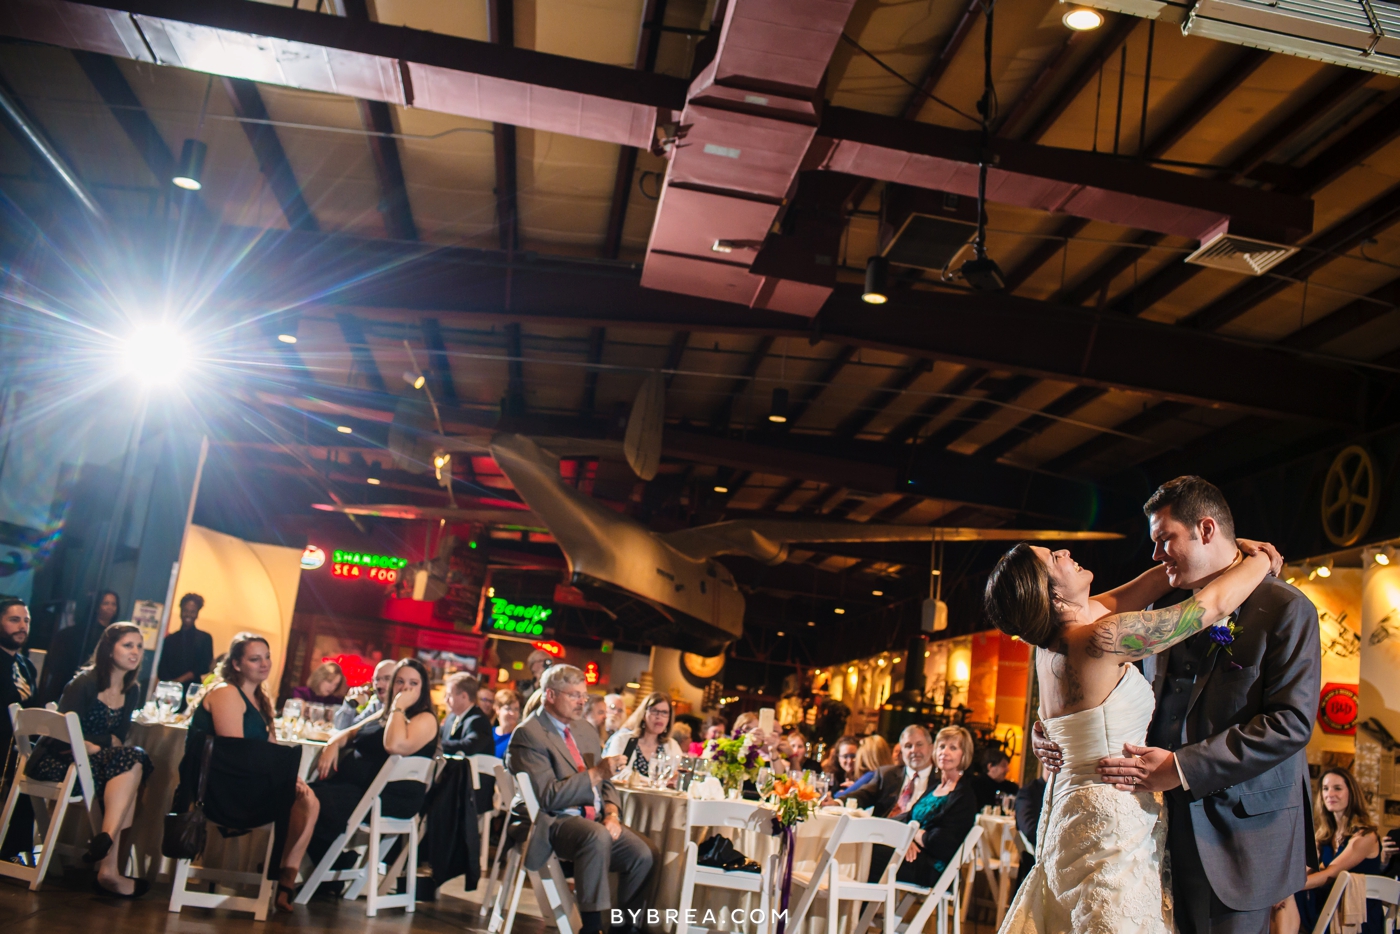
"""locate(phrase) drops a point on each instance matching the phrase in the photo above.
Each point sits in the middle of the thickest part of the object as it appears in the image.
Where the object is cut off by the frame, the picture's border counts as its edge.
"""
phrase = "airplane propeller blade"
(768, 540)
(642, 443)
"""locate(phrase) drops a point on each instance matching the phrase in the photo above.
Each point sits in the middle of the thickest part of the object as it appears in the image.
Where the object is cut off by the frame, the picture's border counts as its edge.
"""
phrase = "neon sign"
(513, 617)
(356, 565)
(367, 560)
(590, 673)
(312, 558)
(553, 648)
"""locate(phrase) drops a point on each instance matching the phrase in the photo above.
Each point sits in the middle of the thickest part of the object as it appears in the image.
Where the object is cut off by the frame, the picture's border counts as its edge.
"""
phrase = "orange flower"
(781, 787)
(806, 793)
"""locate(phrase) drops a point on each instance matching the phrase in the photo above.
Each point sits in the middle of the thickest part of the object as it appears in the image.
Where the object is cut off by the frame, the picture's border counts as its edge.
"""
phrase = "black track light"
(877, 280)
(191, 168)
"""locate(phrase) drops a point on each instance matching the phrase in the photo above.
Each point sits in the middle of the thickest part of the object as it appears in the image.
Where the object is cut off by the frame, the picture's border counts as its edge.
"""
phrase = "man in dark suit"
(1227, 741)
(580, 815)
(466, 730)
(886, 792)
(17, 686)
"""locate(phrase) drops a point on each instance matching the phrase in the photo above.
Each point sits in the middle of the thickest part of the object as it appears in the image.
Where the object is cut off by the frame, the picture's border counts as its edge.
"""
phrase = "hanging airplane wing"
(769, 540)
(515, 518)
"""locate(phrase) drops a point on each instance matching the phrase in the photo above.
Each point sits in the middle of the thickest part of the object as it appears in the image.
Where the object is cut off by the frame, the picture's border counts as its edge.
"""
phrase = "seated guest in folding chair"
(580, 816)
(467, 731)
(409, 728)
(508, 704)
(104, 695)
(17, 686)
(928, 788)
(351, 712)
(650, 724)
(238, 706)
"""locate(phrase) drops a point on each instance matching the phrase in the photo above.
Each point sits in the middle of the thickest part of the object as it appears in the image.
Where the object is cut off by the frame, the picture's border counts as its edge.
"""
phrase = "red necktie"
(589, 811)
(906, 795)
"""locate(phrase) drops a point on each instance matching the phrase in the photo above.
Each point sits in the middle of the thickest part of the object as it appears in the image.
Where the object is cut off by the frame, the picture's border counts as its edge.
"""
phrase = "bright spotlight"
(156, 354)
(1081, 19)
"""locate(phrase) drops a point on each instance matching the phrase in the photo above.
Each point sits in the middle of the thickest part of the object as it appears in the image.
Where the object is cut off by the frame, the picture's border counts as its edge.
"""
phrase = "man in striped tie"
(580, 816)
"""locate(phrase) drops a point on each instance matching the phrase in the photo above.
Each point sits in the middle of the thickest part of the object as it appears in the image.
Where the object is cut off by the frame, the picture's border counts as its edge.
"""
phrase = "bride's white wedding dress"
(1100, 852)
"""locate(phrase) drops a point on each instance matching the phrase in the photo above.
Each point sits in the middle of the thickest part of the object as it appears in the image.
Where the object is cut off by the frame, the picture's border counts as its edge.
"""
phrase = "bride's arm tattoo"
(1146, 632)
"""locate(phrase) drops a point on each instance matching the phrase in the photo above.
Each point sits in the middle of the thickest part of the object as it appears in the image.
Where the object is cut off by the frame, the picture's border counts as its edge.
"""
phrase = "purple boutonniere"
(1222, 635)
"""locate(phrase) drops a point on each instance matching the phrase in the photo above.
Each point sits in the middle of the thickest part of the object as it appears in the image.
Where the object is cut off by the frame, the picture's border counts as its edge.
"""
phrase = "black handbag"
(185, 833)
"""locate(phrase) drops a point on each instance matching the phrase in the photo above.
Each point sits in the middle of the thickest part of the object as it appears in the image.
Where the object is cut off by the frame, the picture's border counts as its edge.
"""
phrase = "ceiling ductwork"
(1361, 34)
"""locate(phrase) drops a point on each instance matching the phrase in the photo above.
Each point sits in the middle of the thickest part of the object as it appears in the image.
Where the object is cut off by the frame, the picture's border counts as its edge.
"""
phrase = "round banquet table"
(165, 744)
(660, 815)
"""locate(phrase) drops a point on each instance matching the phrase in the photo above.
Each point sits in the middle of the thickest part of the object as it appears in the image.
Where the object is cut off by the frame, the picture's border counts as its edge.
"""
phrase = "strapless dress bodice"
(1086, 736)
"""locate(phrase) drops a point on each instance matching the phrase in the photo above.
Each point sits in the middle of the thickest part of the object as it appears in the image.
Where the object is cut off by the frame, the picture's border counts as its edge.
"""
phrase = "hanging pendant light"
(191, 167)
(877, 280)
(777, 412)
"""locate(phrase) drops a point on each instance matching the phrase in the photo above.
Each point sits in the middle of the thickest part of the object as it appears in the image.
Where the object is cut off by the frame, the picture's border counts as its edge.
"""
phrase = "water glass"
(316, 715)
(168, 697)
(765, 780)
(291, 713)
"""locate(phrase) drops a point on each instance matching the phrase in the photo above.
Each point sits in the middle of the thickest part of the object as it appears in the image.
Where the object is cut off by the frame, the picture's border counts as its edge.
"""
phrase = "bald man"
(349, 713)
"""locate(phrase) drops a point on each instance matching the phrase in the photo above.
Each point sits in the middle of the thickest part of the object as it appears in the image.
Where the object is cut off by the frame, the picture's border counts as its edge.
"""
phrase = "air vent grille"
(1240, 254)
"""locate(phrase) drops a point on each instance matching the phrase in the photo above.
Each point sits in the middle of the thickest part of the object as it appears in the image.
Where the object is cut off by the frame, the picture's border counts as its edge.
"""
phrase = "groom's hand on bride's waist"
(1049, 754)
(1141, 768)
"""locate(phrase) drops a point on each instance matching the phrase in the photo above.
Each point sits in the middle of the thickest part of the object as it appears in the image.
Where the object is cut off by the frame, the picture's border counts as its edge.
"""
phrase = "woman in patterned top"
(104, 695)
(651, 724)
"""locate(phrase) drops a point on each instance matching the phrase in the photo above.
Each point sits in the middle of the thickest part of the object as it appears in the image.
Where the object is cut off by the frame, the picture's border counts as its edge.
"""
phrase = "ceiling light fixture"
(721, 489)
(416, 380)
(344, 429)
(777, 412)
(810, 623)
(1082, 19)
(373, 478)
(877, 281)
(155, 354)
(877, 593)
(191, 168)
(287, 338)
(1324, 570)
(839, 611)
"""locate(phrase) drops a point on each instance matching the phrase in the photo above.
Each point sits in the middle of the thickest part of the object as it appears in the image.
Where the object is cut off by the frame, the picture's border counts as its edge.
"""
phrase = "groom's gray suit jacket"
(1249, 718)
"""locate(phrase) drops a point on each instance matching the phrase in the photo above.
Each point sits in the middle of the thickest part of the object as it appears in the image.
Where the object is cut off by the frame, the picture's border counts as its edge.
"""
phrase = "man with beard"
(17, 680)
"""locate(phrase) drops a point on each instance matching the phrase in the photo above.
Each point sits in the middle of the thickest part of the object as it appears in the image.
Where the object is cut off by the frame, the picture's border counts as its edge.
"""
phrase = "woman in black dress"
(104, 695)
(238, 706)
(349, 763)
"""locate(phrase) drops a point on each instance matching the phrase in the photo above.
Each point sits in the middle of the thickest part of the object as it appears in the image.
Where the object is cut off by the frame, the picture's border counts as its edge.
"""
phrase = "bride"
(1100, 854)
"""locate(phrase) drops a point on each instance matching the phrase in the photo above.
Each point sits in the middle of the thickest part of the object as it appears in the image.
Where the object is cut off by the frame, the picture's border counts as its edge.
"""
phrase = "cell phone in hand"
(630, 749)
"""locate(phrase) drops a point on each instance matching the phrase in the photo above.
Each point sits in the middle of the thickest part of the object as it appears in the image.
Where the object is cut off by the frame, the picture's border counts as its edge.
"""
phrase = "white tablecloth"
(660, 815)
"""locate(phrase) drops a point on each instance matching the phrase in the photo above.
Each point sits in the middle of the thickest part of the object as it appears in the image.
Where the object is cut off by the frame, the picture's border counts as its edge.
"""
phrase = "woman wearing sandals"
(104, 695)
(238, 706)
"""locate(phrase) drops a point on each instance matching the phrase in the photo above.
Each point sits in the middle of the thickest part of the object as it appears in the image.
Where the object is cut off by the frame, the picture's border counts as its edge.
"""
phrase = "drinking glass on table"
(660, 768)
(291, 714)
(168, 695)
(193, 693)
(316, 716)
(764, 783)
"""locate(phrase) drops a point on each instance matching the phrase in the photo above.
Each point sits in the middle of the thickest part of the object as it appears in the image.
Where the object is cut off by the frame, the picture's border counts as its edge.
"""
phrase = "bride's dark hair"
(1020, 598)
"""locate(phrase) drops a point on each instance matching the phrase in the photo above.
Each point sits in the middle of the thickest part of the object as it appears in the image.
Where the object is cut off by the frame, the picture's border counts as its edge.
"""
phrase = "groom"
(1228, 735)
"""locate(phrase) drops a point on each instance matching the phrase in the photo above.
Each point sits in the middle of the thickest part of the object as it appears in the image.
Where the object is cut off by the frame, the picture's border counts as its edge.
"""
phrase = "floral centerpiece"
(734, 760)
(792, 801)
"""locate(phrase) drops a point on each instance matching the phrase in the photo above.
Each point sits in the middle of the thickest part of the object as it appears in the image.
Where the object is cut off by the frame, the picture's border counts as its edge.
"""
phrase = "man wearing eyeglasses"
(580, 816)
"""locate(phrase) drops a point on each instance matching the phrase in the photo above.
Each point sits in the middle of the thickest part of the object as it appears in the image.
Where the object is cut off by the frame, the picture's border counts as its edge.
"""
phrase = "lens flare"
(155, 354)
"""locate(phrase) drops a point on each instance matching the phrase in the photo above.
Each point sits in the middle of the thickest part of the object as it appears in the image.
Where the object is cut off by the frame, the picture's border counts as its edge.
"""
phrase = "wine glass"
(764, 783)
(316, 715)
(660, 768)
(193, 694)
(168, 695)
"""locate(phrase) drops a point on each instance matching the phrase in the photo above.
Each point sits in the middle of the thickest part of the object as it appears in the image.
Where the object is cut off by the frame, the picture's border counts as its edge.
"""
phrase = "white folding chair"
(1334, 898)
(739, 815)
(391, 877)
(485, 765)
(185, 871)
(51, 799)
(1386, 891)
(367, 875)
(506, 861)
(942, 896)
(826, 881)
(550, 886)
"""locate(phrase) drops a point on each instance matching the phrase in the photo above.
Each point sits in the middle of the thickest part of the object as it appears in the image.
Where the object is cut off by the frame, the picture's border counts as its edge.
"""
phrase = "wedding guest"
(617, 714)
(651, 724)
(930, 789)
(1347, 840)
(465, 730)
(874, 753)
(840, 763)
(580, 813)
(71, 647)
(744, 723)
(793, 749)
(538, 662)
(596, 713)
(991, 783)
(104, 695)
(486, 700)
(349, 763)
(17, 686)
(714, 728)
(187, 653)
(681, 733)
(1029, 802)
(366, 700)
(507, 719)
(326, 685)
(238, 707)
